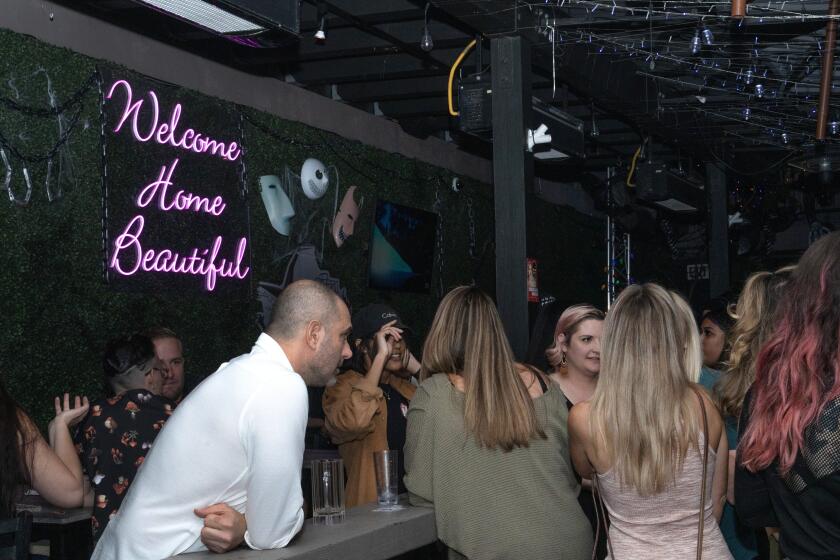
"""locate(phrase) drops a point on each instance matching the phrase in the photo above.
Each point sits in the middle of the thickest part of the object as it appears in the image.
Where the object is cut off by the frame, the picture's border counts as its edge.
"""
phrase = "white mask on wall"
(277, 204)
(314, 179)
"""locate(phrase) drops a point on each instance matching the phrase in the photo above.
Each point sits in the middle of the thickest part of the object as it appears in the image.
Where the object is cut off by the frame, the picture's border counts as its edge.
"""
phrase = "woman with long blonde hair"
(753, 316)
(647, 430)
(487, 443)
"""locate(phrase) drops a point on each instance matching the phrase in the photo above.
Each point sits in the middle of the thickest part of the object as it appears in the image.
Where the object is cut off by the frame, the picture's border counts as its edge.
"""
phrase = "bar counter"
(365, 534)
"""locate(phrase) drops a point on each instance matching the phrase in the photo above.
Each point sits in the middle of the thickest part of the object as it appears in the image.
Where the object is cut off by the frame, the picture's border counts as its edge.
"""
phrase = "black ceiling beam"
(383, 18)
(485, 15)
(374, 76)
(414, 107)
(413, 50)
(322, 53)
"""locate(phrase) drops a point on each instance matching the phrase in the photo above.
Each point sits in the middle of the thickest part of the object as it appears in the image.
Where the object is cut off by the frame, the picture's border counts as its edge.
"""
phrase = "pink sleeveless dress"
(665, 525)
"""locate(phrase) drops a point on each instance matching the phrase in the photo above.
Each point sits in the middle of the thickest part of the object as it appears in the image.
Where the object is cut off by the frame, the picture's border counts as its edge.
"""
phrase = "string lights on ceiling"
(761, 70)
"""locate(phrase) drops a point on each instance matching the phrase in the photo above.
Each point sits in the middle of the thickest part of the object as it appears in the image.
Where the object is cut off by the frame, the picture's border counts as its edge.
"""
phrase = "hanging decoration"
(277, 204)
(67, 115)
(344, 223)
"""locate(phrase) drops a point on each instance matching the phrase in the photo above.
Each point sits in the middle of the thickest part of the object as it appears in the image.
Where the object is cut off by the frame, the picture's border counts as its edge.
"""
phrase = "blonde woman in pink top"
(641, 436)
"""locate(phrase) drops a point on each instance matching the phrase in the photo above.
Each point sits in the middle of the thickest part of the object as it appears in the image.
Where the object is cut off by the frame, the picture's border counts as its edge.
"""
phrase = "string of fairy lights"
(754, 79)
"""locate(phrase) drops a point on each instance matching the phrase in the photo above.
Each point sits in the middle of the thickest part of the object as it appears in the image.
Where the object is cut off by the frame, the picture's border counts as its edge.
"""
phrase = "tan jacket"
(357, 420)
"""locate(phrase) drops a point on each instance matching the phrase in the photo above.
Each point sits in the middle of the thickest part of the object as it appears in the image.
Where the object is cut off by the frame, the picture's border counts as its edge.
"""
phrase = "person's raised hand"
(68, 414)
(385, 338)
(224, 527)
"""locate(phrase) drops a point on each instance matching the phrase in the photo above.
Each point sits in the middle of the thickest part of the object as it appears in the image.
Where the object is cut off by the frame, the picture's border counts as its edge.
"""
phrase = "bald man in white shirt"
(226, 467)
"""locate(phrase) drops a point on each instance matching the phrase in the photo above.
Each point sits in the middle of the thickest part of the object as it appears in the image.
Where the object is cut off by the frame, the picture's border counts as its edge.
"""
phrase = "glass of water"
(327, 491)
(385, 465)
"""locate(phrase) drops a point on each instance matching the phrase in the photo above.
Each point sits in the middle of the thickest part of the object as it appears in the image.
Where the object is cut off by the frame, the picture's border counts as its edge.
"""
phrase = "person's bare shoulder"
(579, 419)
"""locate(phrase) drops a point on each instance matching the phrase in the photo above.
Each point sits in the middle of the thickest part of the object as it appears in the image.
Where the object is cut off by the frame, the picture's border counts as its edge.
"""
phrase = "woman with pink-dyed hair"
(789, 454)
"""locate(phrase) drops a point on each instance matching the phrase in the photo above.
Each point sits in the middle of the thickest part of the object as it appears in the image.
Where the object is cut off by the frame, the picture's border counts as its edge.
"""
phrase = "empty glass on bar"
(327, 491)
(385, 465)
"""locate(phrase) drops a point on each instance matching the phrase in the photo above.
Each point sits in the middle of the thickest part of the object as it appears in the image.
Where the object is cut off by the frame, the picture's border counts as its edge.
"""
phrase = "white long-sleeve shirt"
(238, 439)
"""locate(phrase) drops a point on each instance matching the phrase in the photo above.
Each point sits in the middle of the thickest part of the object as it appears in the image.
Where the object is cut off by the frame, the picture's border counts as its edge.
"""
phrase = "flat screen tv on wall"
(402, 248)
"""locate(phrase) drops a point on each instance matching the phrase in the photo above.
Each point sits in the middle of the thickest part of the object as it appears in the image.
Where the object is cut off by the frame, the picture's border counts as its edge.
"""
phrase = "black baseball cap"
(369, 319)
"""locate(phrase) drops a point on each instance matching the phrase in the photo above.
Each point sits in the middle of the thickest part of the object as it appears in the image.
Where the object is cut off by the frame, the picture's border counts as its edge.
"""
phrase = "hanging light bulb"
(749, 74)
(426, 42)
(321, 34)
(746, 113)
(708, 36)
(695, 44)
(593, 131)
(834, 128)
(759, 90)
(785, 138)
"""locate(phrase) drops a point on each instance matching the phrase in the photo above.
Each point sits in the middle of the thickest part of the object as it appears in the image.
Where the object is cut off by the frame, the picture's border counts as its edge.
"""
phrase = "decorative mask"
(314, 179)
(345, 221)
(277, 204)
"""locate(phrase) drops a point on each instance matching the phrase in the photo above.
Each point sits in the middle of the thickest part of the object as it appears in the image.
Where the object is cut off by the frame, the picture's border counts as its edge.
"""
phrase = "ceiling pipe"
(739, 8)
(827, 68)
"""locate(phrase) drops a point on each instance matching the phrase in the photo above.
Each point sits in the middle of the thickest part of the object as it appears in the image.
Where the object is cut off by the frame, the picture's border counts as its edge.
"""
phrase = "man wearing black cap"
(365, 409)
(118, 431)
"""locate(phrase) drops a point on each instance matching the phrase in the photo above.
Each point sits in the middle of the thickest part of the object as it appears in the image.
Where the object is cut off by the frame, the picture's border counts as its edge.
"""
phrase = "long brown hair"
(641, 412)
(16, 451)
(753, 316)
(467, 338)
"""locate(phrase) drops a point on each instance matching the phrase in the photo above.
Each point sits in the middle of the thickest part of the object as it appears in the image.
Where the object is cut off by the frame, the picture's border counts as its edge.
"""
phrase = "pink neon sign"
(181, 200)
(129, 255)
(200, 262)
(165, 133)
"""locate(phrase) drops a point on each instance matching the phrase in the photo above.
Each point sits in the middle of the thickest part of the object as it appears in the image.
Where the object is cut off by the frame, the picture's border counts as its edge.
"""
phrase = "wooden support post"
(512, 178)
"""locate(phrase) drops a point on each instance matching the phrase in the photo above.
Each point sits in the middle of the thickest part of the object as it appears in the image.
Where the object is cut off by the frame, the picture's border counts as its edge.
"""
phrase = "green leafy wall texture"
(57, 311)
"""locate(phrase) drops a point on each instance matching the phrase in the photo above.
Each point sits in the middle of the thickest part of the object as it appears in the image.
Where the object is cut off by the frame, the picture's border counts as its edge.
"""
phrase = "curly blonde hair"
(753, 316)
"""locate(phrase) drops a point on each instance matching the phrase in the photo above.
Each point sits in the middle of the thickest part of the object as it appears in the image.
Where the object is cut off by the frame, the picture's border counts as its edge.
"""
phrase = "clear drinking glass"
(327, 491)
(385, 465)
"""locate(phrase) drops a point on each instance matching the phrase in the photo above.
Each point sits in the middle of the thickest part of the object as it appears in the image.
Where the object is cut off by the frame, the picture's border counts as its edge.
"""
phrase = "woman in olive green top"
(487, 444)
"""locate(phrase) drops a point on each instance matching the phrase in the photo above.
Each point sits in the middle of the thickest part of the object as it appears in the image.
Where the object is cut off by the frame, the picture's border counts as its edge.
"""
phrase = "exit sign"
(697, 272)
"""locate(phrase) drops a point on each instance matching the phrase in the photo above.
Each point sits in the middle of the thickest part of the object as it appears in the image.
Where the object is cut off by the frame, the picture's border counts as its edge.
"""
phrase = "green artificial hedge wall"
(57, 311)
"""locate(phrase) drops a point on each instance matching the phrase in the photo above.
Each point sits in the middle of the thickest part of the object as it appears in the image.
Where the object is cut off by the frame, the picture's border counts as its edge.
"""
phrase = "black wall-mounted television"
(402, 248)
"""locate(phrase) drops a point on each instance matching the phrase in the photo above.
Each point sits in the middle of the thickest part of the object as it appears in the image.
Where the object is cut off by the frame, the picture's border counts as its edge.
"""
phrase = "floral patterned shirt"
(112, 443)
